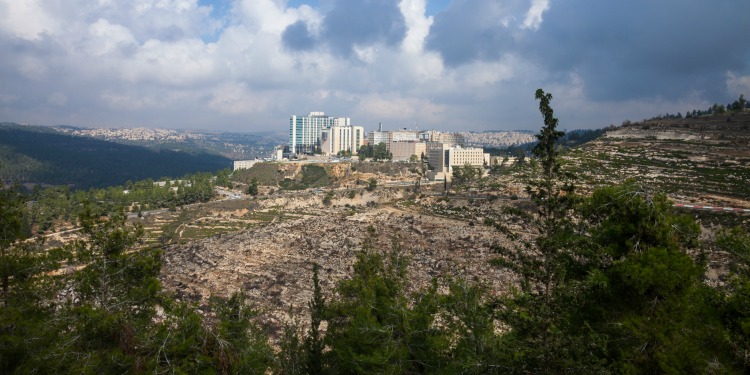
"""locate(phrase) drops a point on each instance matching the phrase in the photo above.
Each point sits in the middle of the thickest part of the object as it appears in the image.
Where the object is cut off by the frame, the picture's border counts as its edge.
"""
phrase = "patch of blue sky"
(436, 6)
(220, 12)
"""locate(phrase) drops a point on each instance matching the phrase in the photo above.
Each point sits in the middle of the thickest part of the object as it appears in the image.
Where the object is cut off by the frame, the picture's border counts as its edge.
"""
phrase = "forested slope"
(31, 154)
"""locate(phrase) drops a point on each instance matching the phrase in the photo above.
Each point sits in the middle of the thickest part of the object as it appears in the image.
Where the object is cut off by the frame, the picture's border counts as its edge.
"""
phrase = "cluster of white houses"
(318, 133)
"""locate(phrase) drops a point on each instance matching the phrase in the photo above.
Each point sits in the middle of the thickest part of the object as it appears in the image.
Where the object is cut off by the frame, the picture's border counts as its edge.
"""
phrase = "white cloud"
(236, 99)
(475, 65)
(738, 85)
(417, 24)
(534, 15)
(405, 112)
(57, 99)
(107, 38)
(33, 68)
(26, 19)
(182, 63)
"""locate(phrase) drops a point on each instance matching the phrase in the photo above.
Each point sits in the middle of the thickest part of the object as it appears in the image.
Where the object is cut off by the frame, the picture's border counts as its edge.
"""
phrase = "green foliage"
(735, 308)
(376, 152)
(645, 281)
(466, 175)
(370, 325)
(372, 184)
(328, 198)
(312, 176)
(252, 188)
(39, 155)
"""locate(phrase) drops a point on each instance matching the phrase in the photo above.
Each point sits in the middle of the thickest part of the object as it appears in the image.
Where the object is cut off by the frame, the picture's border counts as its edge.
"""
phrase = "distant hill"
(41, 155)
(236, 146)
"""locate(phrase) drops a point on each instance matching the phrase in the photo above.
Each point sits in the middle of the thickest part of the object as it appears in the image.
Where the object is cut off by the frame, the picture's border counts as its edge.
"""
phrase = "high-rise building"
(305, 131)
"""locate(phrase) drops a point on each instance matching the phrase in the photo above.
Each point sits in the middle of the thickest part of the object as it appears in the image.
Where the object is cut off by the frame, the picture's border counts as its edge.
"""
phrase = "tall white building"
(342, 138)
(305, 131)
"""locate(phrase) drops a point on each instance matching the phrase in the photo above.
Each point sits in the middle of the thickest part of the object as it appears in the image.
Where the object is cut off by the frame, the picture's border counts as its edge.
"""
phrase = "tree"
(372, 184)
(466, 175)
(735, 308)
(541, 313)
(313, 343)
(380, 152)
(252, 189)
(371, 326)
(646, 294)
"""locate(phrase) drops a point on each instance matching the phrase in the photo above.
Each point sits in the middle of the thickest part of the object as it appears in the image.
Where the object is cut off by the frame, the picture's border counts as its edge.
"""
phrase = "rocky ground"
(273, 264)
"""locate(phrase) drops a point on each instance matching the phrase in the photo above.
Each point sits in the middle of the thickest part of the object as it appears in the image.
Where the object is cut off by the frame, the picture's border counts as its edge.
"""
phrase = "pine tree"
(545, 333)
(313, 343)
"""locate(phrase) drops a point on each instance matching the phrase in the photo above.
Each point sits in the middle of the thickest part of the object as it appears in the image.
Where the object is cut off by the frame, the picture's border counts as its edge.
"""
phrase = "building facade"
(404, 150)
(305, 131)
(454, 139)
(244, 164)
(442, 157)
(342, 139)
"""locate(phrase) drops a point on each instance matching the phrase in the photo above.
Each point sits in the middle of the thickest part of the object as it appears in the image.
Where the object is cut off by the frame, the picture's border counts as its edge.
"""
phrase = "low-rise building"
(244, 164)
(404, 150)
(442, 157)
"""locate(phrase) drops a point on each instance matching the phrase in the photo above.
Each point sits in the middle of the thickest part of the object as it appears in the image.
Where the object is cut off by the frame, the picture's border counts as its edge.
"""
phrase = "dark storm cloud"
(621, 49)
(350, 23)
(297, 37)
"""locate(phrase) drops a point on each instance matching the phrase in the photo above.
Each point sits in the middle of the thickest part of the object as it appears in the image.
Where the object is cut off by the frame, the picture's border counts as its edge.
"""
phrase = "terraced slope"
(704, 160)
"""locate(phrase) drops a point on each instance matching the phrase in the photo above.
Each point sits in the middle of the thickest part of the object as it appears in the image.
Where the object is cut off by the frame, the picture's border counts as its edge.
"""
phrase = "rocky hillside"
(695, 160)
(273, 263)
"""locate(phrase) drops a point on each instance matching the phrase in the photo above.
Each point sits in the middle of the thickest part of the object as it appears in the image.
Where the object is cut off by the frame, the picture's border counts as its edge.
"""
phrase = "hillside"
(235, 146)
(694, 160)
(39, 155)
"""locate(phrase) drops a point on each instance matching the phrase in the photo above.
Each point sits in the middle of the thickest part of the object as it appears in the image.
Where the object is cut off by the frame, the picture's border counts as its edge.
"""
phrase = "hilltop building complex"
(317, 132)
(328, 135)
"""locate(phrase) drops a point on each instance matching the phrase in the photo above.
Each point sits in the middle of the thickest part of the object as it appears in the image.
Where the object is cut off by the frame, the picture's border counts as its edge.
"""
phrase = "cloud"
(534, 16)
(297, 37)
(351, 27)
(26, 19)
(475, 64)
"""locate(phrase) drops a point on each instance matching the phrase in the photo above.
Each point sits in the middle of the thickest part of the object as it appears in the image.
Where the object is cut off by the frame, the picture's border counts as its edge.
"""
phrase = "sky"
(451, 65)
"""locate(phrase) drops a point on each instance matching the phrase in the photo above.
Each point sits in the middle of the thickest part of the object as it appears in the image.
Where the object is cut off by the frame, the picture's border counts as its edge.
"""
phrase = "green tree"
(646, 293)
(313, 343)
(466, 175)
(380, 152)
(735, 308)
(372, 184)
(371, 327)
(545, 335)
(252, 189)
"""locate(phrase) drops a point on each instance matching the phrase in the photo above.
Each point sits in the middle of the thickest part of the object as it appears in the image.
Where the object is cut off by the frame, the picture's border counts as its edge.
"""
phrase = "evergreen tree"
(313, 343)
(546, 335)
(647, 294)
(371, 326)
(735, 308)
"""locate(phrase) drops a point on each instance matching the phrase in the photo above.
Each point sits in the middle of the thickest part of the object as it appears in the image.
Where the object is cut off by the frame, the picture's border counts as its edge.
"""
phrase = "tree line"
(48, 206)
